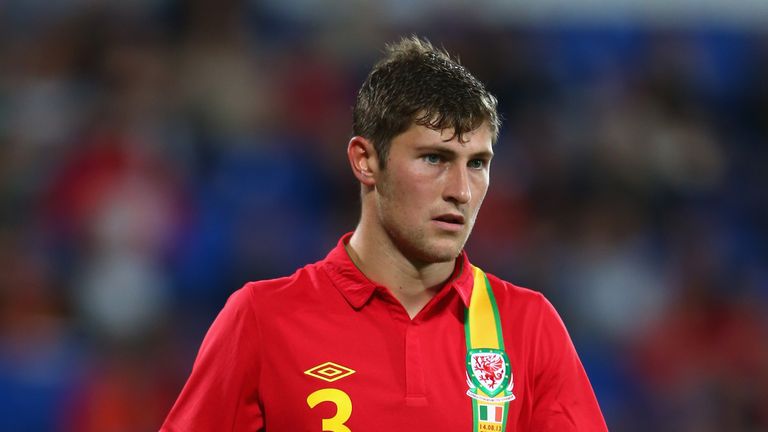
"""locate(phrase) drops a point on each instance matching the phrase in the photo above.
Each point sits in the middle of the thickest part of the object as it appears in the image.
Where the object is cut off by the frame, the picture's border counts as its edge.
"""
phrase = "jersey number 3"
(343, 408)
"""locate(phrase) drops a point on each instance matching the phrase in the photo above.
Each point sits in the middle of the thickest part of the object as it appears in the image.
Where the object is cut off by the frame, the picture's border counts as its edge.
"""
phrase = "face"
(430, 192)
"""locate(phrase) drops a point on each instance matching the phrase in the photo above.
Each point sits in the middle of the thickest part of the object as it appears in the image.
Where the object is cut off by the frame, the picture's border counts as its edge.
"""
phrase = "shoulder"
(523, 301)
(300, 286)
(531, 317)
(508, 291)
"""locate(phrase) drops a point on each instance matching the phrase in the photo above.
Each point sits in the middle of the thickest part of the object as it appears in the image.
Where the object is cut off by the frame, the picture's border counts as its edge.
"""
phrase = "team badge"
(489, 375)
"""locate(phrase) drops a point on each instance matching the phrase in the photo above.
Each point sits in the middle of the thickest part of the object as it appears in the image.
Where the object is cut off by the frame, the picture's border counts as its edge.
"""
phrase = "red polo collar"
(358, 289)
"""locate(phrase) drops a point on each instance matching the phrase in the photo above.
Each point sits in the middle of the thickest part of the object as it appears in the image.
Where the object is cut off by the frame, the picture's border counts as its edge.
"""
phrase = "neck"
(410, 282)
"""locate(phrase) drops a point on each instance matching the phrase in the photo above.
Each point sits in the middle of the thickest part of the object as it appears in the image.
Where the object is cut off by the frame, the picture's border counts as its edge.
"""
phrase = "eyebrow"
(448, 150)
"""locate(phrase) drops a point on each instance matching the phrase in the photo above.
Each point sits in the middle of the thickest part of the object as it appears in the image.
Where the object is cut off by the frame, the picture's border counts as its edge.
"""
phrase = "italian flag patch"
(490, 413)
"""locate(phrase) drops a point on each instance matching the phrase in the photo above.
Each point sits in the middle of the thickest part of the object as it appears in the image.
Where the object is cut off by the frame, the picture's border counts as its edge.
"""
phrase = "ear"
(363, 159)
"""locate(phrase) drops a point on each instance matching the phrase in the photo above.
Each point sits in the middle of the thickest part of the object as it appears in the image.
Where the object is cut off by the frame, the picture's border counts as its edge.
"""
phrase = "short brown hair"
(416, 83)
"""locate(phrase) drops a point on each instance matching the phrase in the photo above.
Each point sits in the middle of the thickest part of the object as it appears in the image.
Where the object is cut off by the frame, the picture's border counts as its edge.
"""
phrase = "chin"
(429, 248)
(442, 253)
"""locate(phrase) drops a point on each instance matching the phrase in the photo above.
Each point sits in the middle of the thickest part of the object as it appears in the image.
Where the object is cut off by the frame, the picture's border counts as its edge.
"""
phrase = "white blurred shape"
(122, 296)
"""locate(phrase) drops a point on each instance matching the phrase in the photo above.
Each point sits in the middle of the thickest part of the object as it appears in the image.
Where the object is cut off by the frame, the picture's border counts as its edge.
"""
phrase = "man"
(395, 330)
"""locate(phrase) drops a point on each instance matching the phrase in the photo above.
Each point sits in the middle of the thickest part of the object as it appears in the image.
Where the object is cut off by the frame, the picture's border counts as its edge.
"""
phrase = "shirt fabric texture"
(258, 364)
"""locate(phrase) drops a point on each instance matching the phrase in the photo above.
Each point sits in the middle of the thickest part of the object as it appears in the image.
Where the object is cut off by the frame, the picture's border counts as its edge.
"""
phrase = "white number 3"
(343, 408)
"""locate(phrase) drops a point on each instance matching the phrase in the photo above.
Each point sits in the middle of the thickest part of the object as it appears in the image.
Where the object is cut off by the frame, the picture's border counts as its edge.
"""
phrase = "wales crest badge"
(489, 375)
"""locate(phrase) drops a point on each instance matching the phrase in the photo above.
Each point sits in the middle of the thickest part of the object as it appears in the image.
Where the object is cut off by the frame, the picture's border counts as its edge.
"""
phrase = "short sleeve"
(221, 393)
(564, 400)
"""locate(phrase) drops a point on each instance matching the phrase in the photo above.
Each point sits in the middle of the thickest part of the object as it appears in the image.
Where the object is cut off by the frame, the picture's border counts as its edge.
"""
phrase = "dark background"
(156, 155)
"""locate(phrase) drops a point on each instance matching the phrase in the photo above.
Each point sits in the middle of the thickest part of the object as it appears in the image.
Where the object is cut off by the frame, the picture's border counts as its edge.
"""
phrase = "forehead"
(416, 136)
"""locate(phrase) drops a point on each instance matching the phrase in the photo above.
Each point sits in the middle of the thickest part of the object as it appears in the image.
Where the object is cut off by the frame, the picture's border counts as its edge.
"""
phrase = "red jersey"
(326, 349)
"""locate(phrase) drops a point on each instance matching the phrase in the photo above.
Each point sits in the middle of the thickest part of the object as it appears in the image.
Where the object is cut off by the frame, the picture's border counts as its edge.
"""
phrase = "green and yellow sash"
(489, 375)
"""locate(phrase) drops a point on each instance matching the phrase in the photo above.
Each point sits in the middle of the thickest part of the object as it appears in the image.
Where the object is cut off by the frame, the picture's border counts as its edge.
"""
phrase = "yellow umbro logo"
(329, 371)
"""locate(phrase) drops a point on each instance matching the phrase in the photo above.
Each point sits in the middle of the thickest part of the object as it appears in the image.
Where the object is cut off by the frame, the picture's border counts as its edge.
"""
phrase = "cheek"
(396, 196)
(480, 188)
(411, 184)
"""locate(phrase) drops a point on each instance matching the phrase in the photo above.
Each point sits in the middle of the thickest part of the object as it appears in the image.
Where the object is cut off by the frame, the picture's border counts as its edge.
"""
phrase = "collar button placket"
(414, 368)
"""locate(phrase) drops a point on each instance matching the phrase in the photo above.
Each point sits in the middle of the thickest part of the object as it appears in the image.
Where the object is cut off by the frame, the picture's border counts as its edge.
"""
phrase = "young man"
(395, 330)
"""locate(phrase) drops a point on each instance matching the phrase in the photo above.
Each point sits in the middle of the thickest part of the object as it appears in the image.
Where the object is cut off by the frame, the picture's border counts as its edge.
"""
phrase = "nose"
(457, 187)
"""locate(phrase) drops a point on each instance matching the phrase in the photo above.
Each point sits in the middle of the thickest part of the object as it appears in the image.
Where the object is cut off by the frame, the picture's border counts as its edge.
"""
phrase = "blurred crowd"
(156, 155)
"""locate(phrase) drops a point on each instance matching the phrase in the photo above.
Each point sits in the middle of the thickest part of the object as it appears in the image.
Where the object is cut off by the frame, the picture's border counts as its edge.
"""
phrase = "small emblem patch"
(489, 375)
(329, 372)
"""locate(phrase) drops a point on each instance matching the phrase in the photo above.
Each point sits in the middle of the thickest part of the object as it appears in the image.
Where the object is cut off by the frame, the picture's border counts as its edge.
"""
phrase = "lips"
(451, 218)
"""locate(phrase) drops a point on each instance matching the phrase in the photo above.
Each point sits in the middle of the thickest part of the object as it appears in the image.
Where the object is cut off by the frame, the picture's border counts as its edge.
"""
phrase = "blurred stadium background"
(157, 154)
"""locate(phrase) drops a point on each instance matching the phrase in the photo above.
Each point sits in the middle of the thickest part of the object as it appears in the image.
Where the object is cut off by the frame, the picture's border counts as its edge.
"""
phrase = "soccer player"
(395, 330)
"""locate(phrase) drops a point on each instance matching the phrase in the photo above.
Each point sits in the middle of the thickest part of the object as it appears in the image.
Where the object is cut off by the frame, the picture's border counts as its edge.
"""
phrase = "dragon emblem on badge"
(489, 372)
(489, 369)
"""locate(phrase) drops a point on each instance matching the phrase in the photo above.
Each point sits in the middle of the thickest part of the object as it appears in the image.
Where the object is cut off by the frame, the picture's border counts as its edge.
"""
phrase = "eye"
(476, 164)
(432, 158)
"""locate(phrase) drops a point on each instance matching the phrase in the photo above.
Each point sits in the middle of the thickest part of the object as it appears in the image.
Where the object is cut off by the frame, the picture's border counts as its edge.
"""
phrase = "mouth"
(450, 221)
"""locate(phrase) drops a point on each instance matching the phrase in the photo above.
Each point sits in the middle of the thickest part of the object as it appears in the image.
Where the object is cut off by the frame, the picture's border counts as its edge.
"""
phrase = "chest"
(328, 368)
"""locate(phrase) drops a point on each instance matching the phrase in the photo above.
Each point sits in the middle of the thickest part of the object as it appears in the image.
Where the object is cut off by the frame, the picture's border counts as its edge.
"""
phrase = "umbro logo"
(329, 372)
